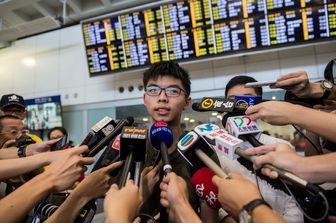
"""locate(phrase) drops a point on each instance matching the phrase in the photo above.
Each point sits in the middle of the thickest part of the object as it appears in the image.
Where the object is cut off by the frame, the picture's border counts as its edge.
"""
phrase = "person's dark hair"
(242, 80)
(59, 128)
(167, 68)
(2, 117)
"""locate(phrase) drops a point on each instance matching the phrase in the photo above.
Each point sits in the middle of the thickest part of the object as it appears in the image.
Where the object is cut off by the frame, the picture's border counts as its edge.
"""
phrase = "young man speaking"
(167, 94)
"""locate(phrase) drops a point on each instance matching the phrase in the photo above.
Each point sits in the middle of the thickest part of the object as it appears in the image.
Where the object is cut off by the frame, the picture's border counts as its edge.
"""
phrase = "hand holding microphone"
(122, 205)
(174, 196)
(275, 112)
(279, 155)
(235, 192)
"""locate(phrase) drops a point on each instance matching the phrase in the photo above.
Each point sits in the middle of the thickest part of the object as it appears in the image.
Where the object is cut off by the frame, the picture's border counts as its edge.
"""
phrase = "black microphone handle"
(126, 169)
(167, 168)
(137, 173)
(108, 138)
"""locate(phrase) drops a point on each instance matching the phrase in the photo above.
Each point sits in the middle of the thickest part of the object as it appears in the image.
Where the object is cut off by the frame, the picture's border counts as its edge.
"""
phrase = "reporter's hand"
(174, 191)
(274, 112)
(298, 83)
(122, 205)
(149, 178)
(235, 192)
(9, 143)
(65, 171)
(40, 147)
(279, 155)
(97, 183)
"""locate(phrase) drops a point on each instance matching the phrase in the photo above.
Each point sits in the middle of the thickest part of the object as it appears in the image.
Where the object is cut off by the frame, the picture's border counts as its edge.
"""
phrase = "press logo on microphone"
(238, 125)
(206, 103)
(218, 104)
(187, 140)
(160, 124)
(205, 128)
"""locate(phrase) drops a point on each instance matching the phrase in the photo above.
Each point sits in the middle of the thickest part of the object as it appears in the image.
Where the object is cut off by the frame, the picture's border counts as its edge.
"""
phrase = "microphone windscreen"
(205, 189)
(161, 132)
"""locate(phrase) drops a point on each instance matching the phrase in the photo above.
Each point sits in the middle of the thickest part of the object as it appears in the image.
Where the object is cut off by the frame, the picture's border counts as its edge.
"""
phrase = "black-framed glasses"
(171, 91)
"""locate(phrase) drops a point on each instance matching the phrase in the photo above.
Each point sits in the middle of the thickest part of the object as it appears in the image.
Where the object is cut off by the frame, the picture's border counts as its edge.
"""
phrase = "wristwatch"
(327, 88)
(246, 211)
(22, 151)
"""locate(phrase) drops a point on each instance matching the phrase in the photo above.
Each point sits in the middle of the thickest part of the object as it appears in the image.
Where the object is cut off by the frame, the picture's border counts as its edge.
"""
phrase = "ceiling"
(20, 18)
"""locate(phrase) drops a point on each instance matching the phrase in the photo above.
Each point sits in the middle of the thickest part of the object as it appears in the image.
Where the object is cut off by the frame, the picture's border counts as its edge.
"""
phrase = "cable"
(257, 182)
(304, 213)
(302, 134)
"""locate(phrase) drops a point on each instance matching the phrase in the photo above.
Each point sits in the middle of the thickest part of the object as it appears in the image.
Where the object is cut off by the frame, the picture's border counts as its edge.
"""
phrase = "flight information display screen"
(188, 30)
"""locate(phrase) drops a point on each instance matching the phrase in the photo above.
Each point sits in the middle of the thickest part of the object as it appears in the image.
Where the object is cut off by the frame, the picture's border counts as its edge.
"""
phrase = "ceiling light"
(214, 113)
(145, 119)
(186, 119)
(30, 62)
(192, 120)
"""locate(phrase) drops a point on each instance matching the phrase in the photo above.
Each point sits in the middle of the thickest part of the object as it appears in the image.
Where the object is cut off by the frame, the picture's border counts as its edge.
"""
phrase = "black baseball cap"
(11, 99)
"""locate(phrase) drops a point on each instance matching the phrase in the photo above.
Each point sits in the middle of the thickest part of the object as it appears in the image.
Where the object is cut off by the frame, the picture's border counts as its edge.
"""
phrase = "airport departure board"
(188, 30)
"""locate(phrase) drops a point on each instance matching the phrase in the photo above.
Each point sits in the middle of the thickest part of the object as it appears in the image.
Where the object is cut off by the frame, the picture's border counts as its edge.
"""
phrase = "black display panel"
(196, 29)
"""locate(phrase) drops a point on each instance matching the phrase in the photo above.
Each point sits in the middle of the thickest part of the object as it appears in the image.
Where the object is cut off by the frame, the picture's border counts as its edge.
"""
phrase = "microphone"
(205, 189)
(242, 127)
(238, 104)
(244, 101)
(161, 137)
(132, 148)
(228, 146)
(102, 143)
(196, 151)
(109, 156)
(98, 131)
(214, 104)
(204, 129)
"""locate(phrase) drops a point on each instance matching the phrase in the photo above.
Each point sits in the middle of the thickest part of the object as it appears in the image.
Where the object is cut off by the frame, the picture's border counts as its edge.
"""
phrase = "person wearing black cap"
(13, 104)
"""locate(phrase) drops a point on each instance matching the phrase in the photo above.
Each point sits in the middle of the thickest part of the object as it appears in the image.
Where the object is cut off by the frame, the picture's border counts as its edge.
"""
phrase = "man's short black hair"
(242, 80)
(2, 117)
(59, 128)
(167, 68)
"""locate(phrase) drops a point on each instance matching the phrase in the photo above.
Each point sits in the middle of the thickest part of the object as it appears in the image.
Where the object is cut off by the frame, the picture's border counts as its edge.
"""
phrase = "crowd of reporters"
(33, 173)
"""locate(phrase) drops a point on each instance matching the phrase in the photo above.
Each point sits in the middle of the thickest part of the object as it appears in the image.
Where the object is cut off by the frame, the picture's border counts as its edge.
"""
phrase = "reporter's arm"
(15, 167)
(9, 153)
(15, 206)
(283, 113)
(185, 213)
(32, 149)
(122, 205)
(236, 192)
(298, 83)
(93, 186)
(60, 175)
(314, 169)
(264, 214)
(174, 197)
